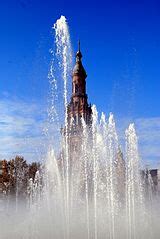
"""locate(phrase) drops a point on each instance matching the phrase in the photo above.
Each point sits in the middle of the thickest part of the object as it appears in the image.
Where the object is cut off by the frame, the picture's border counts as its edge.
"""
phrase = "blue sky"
(120, 42)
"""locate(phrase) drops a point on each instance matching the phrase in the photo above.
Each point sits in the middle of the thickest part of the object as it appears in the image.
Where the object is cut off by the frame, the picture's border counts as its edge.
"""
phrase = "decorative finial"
(79, 54)
(78, 68)
(79, 45)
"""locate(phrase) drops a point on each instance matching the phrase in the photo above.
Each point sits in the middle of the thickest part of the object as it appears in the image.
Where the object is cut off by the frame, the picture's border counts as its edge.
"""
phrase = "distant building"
(152, 180)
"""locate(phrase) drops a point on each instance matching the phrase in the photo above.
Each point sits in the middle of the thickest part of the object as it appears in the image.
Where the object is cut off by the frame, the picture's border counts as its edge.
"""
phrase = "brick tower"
(78, 107)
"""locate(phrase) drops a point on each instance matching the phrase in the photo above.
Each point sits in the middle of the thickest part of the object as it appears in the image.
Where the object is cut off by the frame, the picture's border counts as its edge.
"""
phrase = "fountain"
(99, 195)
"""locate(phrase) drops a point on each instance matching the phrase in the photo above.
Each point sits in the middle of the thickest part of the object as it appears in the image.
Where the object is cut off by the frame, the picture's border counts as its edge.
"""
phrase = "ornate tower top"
(78, 68)
(79, 54)
(78, 106)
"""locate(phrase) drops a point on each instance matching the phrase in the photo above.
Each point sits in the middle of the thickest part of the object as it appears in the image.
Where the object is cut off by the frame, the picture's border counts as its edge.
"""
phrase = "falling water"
(85, 158)
(133, 184)
(62, 39)
(113, 150)
(95, 166)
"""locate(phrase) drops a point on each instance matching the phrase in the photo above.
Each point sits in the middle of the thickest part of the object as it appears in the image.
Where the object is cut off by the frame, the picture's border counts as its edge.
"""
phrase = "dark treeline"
(15, 174)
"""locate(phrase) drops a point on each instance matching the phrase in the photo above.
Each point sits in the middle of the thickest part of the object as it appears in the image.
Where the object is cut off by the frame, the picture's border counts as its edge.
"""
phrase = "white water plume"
(62, 39)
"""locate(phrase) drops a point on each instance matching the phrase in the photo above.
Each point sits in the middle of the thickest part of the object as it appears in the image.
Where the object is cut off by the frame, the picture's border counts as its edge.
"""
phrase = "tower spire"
(79, 45)
(79, 54)
(78, 68)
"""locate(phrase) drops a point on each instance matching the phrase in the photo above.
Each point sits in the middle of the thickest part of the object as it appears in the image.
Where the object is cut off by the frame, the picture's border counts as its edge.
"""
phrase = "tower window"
(76, 103)
(76, 88)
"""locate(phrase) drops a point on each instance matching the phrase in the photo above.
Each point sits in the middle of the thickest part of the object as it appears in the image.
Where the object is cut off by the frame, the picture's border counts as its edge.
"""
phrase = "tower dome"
(78, 68)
